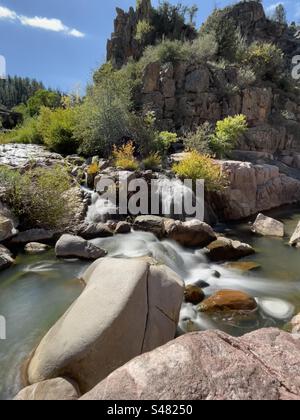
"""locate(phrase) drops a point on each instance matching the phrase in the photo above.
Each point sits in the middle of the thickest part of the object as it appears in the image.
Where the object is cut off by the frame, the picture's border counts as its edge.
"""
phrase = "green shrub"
(198, 166)
(143, 29)
(57, 129)
(27, 133)
(104, 118)
(246, 77)
(265, 59)
(199, 140)
(227, 134)
(124, 157)
(204, 48)
(37, 196)
(163, 141)
(152, 162)
(165, 52)
(43, 98)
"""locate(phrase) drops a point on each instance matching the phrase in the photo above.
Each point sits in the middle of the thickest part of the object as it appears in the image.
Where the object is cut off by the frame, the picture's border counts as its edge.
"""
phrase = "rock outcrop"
(127, 308)
(264, 365)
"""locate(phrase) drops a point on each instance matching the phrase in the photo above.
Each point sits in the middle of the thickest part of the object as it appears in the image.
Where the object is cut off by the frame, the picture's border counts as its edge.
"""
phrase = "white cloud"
(54, 25)
(6, 13)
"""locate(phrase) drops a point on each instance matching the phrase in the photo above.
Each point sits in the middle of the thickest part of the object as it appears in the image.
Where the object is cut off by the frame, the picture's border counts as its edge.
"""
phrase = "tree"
(280, 14)
(43, 98)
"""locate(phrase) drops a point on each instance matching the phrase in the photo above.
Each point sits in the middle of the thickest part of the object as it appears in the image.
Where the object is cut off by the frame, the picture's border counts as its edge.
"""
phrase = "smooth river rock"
(34, 235)
(127, 308)
(228, 300)
(58, 389)
(70, 246)
(295, 239)
(224, 249)
(6, 259)
(266, 226)
(211, 365)
(36, 248)
(152, 224)
(6, 228)
(193, 233)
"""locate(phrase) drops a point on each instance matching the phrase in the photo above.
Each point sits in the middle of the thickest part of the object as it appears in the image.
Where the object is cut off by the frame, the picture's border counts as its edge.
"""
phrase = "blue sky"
(61, 42)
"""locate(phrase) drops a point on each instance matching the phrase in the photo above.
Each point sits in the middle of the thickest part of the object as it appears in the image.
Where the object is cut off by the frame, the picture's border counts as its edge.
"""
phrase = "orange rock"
(228, 300)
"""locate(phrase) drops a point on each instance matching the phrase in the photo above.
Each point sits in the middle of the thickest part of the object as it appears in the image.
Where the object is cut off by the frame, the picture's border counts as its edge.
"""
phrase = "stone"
(225, 300)
(6, 259)
(295, 324)
(128, 307)
(151, 78)
(243, 266)
(211, 365)
(36, 248)
(58, 389)
(266, 226)
(94, 230)
(6, 228)
(198, 80)
(276, 308)
(224, 249)
(295, 239)
(152, 224)
(123, 228)
(70, 246)
(193, 294)
(193, 233)
(34, 235)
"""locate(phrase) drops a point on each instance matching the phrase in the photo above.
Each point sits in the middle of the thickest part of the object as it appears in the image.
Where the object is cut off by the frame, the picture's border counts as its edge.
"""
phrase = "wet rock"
(36, 248)
(295, 323)
(266, 226)
(34, 235)
(6, 228)
(152, 224)
(190, 234)
(276, 308)
(295, 239)
(58, 389)
(69, 246)
(224, 249)
(243, 266)
(123, 228)
(128, 307)
(94, 231)
(193, 294)
(211, 365)
(6, 259)
(228, 300)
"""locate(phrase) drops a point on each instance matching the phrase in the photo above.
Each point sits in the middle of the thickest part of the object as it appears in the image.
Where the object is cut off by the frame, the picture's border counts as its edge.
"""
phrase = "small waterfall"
(100, 210)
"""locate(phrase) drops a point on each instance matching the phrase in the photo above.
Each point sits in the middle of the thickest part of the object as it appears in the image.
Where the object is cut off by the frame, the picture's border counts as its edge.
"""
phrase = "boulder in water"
(6, 228)
(6, 259)
(58, 389)
(295, 239)
(152, 224)
(34, 235)
(228, 300)
(276, 308)
(123, 228)
(243, 266)
(128, 307)
(193, 233)
(211, 365)
(36, 248)
(266, 226)
(193, 294)
(70, 246)
(295, 323)
(224, 249)
(94, 231)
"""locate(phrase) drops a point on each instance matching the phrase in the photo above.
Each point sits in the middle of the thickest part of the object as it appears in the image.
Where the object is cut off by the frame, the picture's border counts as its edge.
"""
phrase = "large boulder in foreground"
(70, 246)
(264, 365)
(193, 233)
(58, 389)
(224, 249)
(295, 239)
(127, 308)
(6, 259)
(266, 226)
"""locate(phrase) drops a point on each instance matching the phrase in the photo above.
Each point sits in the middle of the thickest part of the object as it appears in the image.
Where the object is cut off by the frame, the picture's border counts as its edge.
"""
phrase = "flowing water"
(38, 289)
